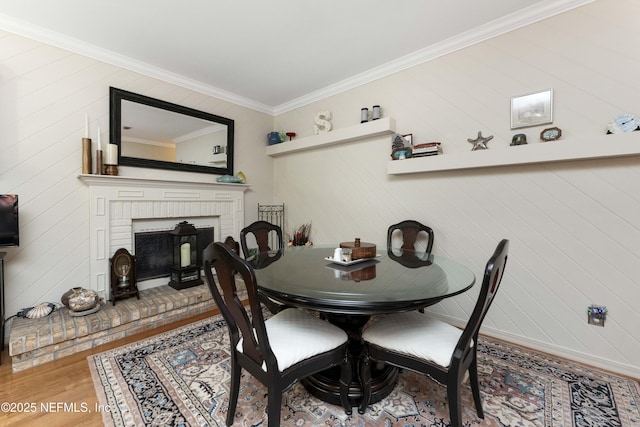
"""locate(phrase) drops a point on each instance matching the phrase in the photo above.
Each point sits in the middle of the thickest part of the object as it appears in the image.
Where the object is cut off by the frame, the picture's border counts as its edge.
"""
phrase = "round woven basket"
(360, 249)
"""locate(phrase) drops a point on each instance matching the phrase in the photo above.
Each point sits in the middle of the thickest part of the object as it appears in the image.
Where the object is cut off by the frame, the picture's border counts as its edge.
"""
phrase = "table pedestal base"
(325, 385)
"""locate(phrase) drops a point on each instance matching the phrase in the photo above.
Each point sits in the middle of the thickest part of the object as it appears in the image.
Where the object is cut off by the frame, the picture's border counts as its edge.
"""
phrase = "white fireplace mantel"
(127, 181)
(117, 201)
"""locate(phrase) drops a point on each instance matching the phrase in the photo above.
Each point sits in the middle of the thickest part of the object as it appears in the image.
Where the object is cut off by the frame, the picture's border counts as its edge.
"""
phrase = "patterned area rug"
(181, 378)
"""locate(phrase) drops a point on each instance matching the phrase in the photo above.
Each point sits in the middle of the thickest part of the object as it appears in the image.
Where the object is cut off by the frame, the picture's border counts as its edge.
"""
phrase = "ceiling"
(269, 55)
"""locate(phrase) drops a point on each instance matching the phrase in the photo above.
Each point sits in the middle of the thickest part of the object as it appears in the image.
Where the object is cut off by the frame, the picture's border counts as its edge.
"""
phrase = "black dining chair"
(286, 347)
(432, 347)
(410, 231)
(261, 231)
(229, 241)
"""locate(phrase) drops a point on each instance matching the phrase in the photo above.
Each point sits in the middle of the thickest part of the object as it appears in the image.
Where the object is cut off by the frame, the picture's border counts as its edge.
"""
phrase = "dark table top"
(399, 281)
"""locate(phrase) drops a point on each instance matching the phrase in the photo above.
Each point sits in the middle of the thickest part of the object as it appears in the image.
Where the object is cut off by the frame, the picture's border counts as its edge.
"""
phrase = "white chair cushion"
(295, 335)
(415, 334)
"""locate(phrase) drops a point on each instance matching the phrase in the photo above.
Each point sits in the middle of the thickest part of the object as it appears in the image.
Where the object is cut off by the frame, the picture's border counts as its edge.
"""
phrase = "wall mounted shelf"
(218, 159)
(599, 146)
(385, 125)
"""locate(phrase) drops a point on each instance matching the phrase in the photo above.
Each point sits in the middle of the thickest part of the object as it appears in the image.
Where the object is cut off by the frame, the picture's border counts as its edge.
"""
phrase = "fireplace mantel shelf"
(111, 180)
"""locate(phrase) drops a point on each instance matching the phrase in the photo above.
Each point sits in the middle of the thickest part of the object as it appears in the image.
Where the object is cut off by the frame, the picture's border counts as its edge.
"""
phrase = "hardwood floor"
(60, 393)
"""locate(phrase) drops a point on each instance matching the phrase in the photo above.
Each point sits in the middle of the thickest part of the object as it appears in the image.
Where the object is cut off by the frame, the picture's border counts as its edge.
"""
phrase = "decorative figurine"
(397, 141)
(273, 138)
(401, 153)
(518, 139)
(480, 143)
(323, 124)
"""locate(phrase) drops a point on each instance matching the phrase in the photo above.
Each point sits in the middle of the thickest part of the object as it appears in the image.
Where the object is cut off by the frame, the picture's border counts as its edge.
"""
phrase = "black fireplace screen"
(154, 253)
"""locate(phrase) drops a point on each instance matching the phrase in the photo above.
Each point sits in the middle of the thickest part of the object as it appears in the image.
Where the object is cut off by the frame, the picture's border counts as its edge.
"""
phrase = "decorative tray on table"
(355, 261)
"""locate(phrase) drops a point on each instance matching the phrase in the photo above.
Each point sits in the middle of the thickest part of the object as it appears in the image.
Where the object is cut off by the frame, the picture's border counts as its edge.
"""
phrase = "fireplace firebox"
(153, 250)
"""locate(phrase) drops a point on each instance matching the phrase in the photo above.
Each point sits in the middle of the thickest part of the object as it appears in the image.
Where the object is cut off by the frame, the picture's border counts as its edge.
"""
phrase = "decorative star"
(480, 143)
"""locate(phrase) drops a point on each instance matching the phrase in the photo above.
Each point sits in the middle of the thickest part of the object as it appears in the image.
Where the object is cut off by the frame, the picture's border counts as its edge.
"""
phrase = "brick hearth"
(33, 342)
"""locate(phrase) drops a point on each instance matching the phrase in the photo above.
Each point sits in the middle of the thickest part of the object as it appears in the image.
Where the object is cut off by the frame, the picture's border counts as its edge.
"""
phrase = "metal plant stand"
(275, 215)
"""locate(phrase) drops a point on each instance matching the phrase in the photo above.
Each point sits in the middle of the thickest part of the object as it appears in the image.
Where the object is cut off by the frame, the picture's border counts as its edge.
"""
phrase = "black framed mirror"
(152, 133)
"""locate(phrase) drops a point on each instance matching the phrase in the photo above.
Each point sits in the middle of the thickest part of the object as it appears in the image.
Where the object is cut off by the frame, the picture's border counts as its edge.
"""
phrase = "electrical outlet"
(596, 315)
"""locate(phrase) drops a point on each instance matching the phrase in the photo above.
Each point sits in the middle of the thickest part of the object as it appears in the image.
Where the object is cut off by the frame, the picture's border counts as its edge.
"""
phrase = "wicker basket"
(360, 249)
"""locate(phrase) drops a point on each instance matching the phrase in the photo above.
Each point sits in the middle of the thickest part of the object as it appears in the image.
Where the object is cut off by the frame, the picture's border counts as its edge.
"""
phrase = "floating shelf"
(218, 158)
(599, 146)
(385, 125)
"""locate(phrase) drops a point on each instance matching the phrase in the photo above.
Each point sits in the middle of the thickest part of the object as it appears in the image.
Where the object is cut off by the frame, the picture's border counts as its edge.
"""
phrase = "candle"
(376, 112)
(185, 255)
(364, 115)
(86, 126)
(99, 146)
(111, 155)
(107, 155)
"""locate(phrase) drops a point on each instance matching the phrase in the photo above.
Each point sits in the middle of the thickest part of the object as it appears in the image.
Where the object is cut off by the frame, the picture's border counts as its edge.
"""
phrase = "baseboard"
(555, 350)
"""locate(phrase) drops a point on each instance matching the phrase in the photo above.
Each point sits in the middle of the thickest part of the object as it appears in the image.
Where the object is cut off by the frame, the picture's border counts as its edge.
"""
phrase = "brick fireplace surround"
(33, 342)
(116, 202)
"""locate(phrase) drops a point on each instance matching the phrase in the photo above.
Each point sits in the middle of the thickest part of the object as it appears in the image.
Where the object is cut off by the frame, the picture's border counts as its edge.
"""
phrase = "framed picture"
(408, 137)
(532, 109)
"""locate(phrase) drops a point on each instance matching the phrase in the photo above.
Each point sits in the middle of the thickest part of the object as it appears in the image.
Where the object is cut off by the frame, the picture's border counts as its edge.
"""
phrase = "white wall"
(574, 226)
(45, 93)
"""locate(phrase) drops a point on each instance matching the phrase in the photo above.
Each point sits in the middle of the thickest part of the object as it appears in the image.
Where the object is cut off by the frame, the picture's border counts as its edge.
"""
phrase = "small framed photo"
(408, 137)
(532, 109)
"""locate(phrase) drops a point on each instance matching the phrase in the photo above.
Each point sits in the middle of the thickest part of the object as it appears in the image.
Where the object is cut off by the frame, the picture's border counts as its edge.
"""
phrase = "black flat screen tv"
(9, 230)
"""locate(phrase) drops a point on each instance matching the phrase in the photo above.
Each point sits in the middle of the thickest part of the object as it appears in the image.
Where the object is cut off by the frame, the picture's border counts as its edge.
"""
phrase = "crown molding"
(535, 13)
(53, 38)
(492, 29)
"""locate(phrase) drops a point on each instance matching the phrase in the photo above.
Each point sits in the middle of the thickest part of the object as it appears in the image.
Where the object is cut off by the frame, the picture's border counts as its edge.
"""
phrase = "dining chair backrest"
(249, 328)
(269, 349)
(490, 283)
(410, 230)
(425, 344)
(465, 355)
(229, 241)
(265, 233)
(261, 230)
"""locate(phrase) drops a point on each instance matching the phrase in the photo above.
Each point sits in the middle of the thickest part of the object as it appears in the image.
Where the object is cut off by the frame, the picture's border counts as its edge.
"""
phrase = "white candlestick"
(99, 146)
(86, 126)
(185, 255)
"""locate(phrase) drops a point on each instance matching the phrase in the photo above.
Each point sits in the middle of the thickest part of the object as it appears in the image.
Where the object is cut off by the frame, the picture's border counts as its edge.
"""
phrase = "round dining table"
(348, 294)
